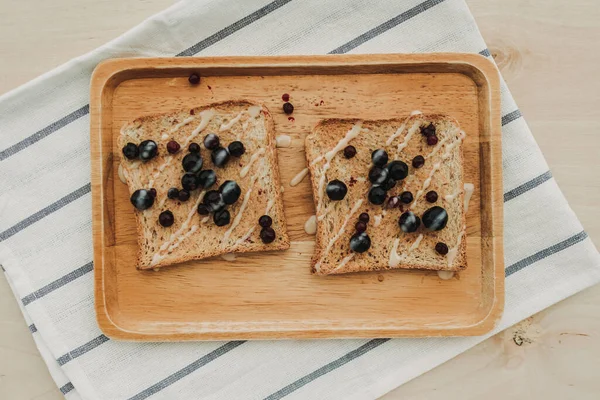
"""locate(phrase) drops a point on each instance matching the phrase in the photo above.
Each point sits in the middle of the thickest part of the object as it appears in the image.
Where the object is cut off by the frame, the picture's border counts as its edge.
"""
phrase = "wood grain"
(271, 288)
(537, 44)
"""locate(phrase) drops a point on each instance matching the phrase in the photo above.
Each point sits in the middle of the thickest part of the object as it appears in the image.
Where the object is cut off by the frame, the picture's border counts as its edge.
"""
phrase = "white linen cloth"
(45, 212)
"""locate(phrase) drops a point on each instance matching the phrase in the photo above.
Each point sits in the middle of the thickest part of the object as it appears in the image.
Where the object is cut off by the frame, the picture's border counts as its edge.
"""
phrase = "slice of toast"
(390, 247)
(193, 236)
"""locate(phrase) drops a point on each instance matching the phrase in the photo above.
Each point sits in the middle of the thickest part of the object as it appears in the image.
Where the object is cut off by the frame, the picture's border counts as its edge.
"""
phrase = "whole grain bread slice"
(195, 236)
(390, 246)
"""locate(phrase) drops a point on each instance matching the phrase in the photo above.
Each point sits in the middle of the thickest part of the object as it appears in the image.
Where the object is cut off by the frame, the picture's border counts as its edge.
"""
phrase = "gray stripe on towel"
(511, 116)
(527, 186)
(67, 388)
(81, 350)
(60, 282)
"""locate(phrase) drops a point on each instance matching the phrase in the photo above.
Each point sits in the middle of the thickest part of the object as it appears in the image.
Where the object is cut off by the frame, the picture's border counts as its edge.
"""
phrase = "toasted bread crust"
(324, 137)
(262, 181)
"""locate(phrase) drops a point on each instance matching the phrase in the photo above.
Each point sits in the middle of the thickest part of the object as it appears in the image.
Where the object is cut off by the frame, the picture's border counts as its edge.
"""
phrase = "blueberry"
(441, 248)
(194, 148)
(360, 226)
(173, 193)
(192, 162)
(236, 148)
(219, 156)
(265, 221)
(418, 161)
(213, 200)
(148, 150)
(130, 151)
(189, 181)
(364, 217)
(360, 242)
(378, 175)
(388, 184)
(435, 218)
(211, 141)
(203, 209)
(288, 108)
(377, 195)
(184, 195)
(393, 202)
(406, 197)
(428, 130)
(142, 199)
(336, 190)
(194, 79)
(166, 218)
(431, 196)
(230, 191)
(221, 217)
(152, 192)
(173, 147)
(409, 222)
(267, 235)
(398, 170)
(207, 178)
(349, 151)
(379, 157)
(432, 140)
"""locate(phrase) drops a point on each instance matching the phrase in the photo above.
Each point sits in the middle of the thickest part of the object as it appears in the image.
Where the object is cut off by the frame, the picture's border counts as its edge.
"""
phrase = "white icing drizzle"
(228, 257)
(452, 196)
(168, 245)
(283, 141)
(164, 136)
(445, 275)
(181, 125)
(205, 220)
(409, 134)
(270, 205)
(310, 226)
(339, 233)
(244, 171)
(206, 116)
(227, 126)
(401, 128)
(416, 112)
(254, 111)
(351, 134)
(299, 177)
(327, 210)
(396, 258)
(469, 188)
(379, 217)
(135, 164)
(122, 173)
(344, 261)
(238, 217)
(437, 147)
(452, 253)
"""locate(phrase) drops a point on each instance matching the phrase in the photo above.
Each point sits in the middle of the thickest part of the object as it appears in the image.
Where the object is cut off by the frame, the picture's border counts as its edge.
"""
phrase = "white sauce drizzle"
(182, 124)
(344, 261)
(299, 177)
(228, 257)
(244, 171)
(437, 147)
(270, 205)
(401, 128)
(452, 196)
(339, 233)
(135, 164)
(168, 245)
(452, 253)
(416, 112)
(283, 141)
(121, 173)
(310, 226)
(396, 258)
(469, 188)
(379, 217)
(238, 217)
(253, 111)
(445, 275)
(164, 136)
(409, 134)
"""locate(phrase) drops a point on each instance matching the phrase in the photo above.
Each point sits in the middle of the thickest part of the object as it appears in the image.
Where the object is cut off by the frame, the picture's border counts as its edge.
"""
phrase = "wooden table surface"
(548, 53)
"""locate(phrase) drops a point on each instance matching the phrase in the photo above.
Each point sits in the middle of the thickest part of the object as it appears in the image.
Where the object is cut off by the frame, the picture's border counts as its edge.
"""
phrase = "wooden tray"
(273, 295)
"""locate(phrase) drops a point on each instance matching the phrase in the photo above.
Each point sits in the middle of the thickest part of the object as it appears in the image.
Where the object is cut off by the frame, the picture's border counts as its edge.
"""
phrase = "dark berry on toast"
(349, 151)
(211, 141)
(336, 190)
(431, 196)
(214, 200)
(130, 151)
(221, 217)
(288, 108)
(388, 184)
(441, 248)
(428, 130)
(377, 195)
(360, 242)
(207, 178)
(435, 218)
(267, 235)
(153, 192)
(285, 97)
(418, 161)
(189, 181)
(194, 148)
(203, 209)
(236, 148)
(432, 140)
(142, 199)
(219, 156)
(148, 150)
(265, 221)
(192, 162)
(360, 226)
(409, 222)
(397, 170)
(393, 202)
(173, 193)
(194, 79)
(184, 195)
(166, 218)
(379, 157)
(378, 175)
(364, 217)
(230, 191)
(406, 197)
(173, 147)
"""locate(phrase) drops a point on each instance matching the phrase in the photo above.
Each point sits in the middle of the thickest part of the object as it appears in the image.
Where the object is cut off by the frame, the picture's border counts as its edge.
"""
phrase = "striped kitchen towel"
(45, 212)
